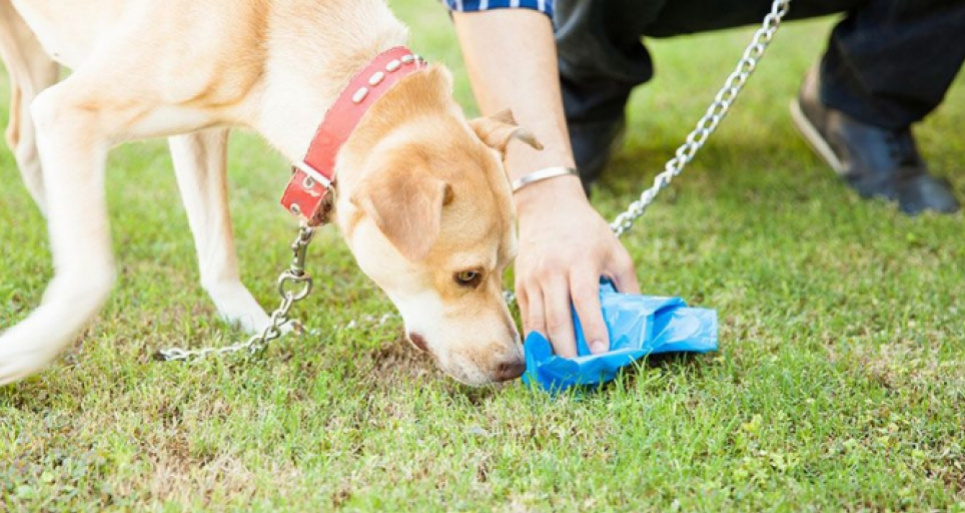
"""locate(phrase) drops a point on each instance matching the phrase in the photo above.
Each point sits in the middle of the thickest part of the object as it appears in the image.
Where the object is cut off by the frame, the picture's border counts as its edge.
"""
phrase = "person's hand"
(564, 245)
(564, 249)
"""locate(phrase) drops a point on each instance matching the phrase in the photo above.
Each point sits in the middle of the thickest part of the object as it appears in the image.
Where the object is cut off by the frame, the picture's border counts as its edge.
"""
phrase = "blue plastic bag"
(638, 326)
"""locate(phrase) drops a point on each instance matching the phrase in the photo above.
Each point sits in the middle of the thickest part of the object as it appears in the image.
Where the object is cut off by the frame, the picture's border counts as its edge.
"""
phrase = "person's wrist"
(539, 175)
(538, 198)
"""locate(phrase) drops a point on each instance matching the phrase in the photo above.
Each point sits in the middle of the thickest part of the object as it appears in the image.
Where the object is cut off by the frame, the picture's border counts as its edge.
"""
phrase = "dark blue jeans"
(888, 63)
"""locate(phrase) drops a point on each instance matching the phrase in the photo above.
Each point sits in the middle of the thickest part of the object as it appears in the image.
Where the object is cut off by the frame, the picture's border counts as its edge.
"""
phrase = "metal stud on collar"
(360, 95)
(376, 78)
(379, 76)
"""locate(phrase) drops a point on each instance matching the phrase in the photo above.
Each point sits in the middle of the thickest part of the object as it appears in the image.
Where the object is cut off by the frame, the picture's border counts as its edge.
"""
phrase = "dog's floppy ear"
(406, 205)
(498, 129)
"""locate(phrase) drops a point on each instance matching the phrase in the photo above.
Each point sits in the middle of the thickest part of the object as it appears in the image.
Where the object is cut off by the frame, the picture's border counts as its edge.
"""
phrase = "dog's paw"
(17, 361)
(237, 306)
(251, 323)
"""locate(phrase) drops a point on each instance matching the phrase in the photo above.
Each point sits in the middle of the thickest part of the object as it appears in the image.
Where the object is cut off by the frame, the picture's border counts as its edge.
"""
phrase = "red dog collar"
(309, 192)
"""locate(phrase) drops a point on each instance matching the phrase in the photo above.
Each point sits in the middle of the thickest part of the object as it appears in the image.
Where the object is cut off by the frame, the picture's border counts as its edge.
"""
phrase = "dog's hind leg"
(77, 121)
(31, 71)
(200, 165)
(73, 151)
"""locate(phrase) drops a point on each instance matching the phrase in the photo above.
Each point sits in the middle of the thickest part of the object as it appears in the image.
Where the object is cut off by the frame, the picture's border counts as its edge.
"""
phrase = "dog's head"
(426, 207)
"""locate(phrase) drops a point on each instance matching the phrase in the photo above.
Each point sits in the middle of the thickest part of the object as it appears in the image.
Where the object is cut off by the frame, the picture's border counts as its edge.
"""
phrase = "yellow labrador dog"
(422, 198)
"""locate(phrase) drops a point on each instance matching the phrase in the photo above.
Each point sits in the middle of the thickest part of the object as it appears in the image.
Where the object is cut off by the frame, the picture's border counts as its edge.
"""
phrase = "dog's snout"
(510, 369)
(418, 341)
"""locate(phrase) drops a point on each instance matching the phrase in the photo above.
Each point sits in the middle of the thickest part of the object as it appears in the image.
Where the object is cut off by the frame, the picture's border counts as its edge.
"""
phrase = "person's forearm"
(511, 58)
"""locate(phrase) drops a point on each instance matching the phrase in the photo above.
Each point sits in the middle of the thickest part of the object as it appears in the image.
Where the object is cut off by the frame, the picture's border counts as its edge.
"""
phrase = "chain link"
(710, 120)
(295, 284)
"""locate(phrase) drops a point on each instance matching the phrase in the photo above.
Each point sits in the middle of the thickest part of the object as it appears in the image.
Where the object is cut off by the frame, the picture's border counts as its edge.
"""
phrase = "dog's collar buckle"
(310, 192)
(309, 195)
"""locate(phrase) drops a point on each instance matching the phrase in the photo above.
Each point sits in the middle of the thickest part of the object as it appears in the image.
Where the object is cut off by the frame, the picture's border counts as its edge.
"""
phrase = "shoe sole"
(814, 138)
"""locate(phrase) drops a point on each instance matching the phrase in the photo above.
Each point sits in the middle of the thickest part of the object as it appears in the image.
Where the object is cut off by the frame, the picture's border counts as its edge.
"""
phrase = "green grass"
(840, 382)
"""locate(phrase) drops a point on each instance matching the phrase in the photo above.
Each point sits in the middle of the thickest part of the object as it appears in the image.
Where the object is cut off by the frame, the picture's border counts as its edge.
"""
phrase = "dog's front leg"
(200, 165)
(31, 71)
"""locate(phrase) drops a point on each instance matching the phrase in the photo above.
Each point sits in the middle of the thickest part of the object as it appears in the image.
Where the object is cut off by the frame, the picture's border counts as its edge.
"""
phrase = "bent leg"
(890, 62)
(601, 60)
(601, 57)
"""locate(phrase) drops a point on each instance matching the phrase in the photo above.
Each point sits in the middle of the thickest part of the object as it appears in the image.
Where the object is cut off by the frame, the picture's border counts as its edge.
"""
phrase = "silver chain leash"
(708, 123)
(295, 284)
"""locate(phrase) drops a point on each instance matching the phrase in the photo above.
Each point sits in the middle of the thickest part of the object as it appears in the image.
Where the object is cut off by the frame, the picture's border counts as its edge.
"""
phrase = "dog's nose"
(510, 369)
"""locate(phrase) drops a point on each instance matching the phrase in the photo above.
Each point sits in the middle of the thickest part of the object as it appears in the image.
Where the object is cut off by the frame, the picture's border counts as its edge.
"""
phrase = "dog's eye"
(468, 278)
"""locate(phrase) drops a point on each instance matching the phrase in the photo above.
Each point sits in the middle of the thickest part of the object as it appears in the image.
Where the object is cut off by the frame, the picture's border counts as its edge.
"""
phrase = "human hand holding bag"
(638, 326)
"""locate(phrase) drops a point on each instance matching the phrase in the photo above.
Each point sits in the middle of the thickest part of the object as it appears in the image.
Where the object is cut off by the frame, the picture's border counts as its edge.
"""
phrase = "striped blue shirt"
(544, 6)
